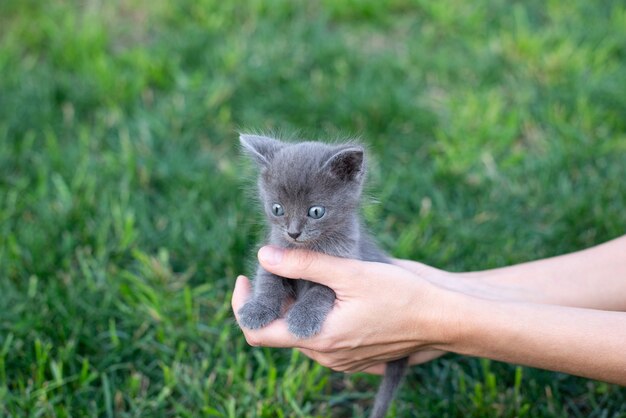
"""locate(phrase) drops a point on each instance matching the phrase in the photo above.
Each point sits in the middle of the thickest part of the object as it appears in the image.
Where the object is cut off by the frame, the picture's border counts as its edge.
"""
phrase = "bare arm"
(583, 342)
(592, 278)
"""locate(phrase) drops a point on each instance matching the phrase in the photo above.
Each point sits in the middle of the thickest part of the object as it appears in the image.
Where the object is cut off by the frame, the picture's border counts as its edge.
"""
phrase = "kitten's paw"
(254, 315)
(305, 321)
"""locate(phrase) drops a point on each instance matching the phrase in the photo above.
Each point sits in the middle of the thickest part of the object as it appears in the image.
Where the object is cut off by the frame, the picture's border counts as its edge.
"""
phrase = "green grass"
(498, 135)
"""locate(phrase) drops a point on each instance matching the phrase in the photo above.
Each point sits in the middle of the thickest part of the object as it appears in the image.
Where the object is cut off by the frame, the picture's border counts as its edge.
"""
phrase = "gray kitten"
(310, 193)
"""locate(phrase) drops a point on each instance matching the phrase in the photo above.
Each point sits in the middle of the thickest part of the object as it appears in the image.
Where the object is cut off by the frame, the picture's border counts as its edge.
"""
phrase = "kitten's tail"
(393, 376)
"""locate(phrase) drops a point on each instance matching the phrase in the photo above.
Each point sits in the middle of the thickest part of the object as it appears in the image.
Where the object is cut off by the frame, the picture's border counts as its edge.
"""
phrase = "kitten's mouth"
(296, 241)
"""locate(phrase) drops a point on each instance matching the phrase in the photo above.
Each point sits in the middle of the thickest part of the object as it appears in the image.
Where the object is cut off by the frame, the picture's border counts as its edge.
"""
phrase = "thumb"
(316, 267)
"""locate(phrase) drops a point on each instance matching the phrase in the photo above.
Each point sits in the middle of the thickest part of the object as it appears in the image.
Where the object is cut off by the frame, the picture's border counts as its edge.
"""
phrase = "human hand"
(382, 311)
(510, 314)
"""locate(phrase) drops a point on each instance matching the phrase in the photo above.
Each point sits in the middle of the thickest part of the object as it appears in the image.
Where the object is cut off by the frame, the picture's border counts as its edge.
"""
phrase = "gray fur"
(298, 176)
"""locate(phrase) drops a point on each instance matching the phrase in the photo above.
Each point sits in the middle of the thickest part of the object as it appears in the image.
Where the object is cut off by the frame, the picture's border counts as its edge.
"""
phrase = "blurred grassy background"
(498, 135)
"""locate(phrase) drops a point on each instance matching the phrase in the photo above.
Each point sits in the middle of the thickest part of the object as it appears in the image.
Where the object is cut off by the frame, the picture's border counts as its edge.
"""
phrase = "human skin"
(563, 314)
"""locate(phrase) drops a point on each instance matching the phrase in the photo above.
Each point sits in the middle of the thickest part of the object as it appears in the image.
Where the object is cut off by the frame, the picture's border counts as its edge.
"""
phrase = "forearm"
(582, 342)
(592, 278)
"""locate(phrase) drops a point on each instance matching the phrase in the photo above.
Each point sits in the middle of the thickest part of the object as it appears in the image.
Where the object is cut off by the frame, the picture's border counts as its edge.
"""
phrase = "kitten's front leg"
(269, 294)
(306, 316)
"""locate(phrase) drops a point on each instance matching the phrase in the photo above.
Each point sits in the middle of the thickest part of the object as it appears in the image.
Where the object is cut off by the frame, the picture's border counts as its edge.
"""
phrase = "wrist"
(444, 318)
(466, 321)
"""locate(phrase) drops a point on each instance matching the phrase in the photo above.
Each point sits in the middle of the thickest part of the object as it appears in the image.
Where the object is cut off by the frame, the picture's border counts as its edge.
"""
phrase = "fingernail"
(271, 255)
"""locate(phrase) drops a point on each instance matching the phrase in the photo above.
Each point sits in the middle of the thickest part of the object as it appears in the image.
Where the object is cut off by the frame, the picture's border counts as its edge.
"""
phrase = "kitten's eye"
(277, 210)
(317, 212)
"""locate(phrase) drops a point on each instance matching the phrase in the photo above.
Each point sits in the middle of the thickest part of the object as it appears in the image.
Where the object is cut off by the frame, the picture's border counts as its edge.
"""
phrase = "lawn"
(497, 132)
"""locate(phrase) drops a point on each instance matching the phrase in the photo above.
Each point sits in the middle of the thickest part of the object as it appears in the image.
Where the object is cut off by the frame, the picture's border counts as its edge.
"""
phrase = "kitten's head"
(310, 190)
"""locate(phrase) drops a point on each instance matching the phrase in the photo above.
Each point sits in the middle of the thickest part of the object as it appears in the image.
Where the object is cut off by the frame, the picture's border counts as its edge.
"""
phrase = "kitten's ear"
(347, 164)
(261, 148)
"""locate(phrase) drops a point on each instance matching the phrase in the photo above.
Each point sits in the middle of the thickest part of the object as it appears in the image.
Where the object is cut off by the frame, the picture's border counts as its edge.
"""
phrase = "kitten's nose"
(294, 235)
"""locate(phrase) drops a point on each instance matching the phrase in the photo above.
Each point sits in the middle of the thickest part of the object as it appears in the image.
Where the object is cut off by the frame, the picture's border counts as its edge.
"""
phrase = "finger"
(242, 292)
(276, 334)
(425, 356)
(317, 267)
(414, 359)
(376, 369)
(273, 335)
(366, 366)
(312, 354)
(349, 366)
